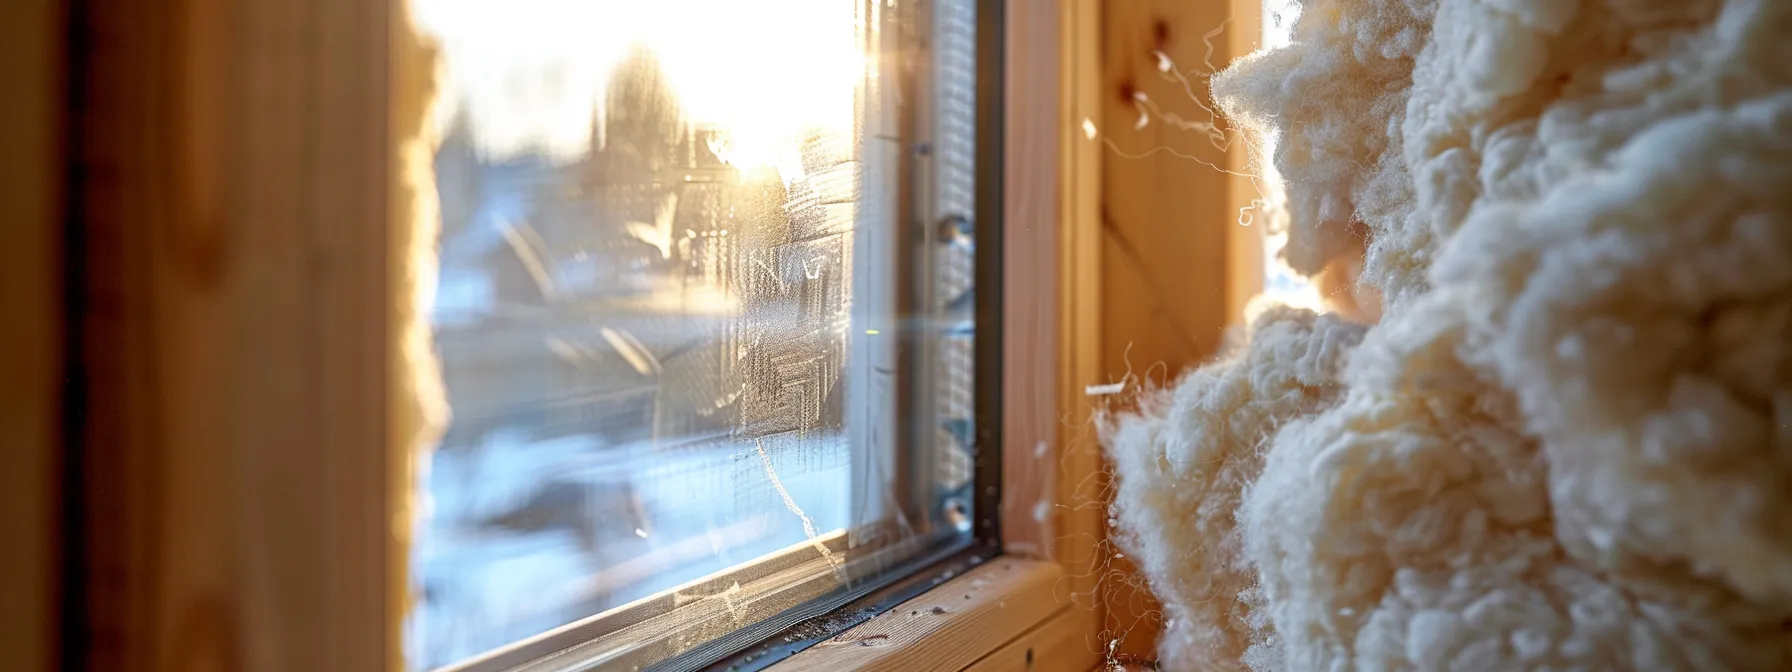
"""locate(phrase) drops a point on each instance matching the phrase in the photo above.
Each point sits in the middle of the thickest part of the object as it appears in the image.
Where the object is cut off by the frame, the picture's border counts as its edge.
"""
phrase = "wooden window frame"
(1037, 607)
(1085, 307)
(238, 403)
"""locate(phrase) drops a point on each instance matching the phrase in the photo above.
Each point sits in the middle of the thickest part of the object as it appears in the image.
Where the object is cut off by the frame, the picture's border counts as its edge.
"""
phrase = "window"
(237, 417)
(708, 317)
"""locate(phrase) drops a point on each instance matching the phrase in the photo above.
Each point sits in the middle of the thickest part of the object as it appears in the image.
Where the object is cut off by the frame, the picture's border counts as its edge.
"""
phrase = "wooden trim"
(1052, 463)
(1081, 486)
(949, 627)
(31, 46)
(1031, 217)
(1060, 644)
(1053, 286)
(238, 466)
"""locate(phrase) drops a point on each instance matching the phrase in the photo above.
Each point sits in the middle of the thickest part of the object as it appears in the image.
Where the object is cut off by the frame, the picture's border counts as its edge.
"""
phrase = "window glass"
(680, 327)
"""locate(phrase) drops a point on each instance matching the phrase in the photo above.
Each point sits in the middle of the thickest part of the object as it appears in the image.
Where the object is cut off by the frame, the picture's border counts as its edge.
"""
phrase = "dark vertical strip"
(75, 635)
(991, 99)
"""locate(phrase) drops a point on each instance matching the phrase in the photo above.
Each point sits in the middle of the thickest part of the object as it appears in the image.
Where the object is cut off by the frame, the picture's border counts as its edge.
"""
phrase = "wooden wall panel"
(232, 177)
(1245, 257)
(1171, 284)
(1165, 217)
(31, 170)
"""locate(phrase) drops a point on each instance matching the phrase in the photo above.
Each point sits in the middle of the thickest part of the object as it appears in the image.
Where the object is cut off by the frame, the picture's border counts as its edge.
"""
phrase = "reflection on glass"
(648, 317)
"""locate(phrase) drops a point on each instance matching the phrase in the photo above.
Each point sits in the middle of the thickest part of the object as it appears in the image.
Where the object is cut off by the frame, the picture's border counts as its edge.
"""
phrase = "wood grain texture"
(1079, 496)
(1165, 217)
(1052, 460)
(1064, 643)
(1169, 213)
(947, 628)
(1032, 219)
(31, 171)
(233, 182)
(1245, 256)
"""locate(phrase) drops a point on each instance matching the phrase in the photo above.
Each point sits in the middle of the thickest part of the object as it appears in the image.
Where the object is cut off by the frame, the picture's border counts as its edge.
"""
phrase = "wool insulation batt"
(1567, 443)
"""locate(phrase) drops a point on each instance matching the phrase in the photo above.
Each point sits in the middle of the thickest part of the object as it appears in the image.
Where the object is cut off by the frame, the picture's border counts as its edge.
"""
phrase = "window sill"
(1006, 614)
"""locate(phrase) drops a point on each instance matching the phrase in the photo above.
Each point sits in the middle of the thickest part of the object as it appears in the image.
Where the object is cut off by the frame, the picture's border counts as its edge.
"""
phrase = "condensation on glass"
(705, 294)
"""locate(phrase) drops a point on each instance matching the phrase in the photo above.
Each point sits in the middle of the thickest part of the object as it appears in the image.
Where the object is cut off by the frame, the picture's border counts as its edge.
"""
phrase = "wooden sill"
(997, 617)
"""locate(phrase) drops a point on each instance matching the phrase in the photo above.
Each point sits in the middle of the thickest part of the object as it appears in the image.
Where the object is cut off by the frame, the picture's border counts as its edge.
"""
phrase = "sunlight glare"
(531, 74)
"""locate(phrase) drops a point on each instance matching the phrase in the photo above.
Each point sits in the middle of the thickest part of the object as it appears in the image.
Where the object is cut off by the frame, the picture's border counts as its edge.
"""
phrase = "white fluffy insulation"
(1567, 443)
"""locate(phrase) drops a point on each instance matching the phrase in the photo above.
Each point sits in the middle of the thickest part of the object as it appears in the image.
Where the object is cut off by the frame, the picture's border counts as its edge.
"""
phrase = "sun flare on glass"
(530, 75)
